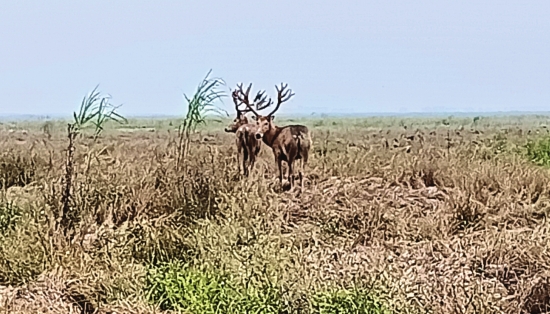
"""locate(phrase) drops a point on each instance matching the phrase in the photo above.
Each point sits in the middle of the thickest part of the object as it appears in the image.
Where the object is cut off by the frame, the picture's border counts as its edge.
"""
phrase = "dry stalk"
(66, 221)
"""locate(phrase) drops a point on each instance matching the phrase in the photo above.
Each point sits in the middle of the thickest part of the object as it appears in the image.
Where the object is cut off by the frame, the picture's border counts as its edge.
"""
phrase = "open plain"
(397, 215)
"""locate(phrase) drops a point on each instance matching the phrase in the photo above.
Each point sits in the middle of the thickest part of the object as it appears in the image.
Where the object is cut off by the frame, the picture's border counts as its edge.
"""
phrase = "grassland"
(398, 215)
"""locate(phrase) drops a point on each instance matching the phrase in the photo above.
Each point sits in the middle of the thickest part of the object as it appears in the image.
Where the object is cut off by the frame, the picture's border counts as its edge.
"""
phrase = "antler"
(238, 101)
(282, 96)
(242, 96)
(259, 101)
(235, 95)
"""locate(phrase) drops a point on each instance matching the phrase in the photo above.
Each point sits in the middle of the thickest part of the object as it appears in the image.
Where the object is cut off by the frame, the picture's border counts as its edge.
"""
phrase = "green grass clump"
(176, 286)
(9, 216)
(538, 151)
(346, 301)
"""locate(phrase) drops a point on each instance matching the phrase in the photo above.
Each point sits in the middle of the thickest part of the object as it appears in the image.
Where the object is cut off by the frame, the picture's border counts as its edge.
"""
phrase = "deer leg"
(290, 173)
(239, 153)
(305, 156)
(252, 159)
(245, 158)
(280, 165)
(300, 173)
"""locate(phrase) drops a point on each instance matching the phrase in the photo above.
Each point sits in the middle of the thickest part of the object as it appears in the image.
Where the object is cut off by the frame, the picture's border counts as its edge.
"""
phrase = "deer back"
(288, 139)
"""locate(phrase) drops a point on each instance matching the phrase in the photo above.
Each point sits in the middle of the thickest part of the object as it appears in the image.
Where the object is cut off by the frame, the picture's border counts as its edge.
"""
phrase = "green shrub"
(175, 286)
(346, 301)
(538, 151)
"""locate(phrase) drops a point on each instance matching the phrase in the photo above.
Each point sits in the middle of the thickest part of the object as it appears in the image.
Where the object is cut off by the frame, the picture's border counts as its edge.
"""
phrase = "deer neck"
(270, 136)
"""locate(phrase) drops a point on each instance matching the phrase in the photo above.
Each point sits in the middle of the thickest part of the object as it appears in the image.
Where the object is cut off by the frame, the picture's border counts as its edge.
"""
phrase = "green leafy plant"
(176, 286)
(96, 109)
(538, 151)
(199, 106)
(346, 301)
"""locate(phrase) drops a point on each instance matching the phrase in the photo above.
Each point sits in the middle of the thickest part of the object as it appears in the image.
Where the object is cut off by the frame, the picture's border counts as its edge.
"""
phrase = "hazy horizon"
(359, 58)
(496, 114)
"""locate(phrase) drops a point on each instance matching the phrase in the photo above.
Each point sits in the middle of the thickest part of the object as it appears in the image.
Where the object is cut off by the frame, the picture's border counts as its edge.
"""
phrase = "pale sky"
(337, 56)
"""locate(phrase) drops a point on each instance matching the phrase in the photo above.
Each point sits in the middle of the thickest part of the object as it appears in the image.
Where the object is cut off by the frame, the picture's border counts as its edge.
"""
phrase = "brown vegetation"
(438, 222)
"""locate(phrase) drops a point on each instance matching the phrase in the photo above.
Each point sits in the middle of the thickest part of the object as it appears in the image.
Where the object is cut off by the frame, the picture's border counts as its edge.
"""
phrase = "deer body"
(248, 147)
(289, 143)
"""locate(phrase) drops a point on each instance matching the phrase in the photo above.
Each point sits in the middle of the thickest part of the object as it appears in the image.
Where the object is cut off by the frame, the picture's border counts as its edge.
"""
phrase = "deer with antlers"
(289, 143)
(248, 146)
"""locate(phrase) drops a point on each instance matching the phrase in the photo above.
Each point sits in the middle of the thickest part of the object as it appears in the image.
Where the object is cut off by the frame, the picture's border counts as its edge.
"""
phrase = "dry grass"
(427, 218)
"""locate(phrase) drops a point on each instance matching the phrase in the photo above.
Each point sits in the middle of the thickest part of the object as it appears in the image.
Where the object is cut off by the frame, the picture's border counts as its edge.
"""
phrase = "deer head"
(265, 123)
(241, 97)
(240, 119)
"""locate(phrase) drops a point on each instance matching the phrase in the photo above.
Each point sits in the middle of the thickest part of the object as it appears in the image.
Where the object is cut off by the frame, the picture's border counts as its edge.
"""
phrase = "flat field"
(398, 215)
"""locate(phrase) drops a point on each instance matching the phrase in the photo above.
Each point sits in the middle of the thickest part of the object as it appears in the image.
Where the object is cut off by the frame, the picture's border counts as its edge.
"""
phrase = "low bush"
(176, 286)
(346, 301)
(538, 151)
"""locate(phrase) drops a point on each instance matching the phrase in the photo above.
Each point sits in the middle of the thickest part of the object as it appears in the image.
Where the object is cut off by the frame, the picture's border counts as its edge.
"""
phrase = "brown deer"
(289, 143)
(248, 147)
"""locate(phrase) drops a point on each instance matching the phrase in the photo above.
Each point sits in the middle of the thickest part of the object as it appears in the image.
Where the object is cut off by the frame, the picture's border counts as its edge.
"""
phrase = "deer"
(248, 146)
(289, 143)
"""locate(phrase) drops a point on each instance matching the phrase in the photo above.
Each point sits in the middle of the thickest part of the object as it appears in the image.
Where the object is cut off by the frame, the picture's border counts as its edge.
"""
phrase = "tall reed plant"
(95, 110)
(199, 106)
